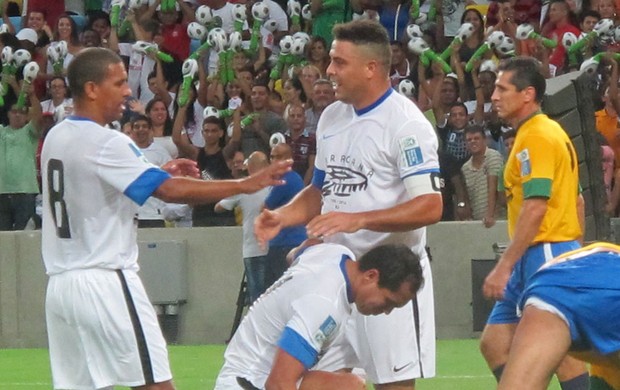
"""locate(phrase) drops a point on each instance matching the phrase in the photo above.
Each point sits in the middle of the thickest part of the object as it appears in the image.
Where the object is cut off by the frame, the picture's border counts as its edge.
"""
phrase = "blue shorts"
(505, 311)
(587, 292)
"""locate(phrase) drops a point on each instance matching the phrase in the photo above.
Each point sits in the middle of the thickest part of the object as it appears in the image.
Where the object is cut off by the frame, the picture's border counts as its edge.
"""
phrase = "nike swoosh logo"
(329, 136)
(397, 369)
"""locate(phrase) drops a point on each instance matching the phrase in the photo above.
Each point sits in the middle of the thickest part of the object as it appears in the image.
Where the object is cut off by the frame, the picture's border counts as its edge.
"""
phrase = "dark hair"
(296, 83)
(140, 117)
(396, 264)
(589, 12)
(459, 104)
(97, 15)
(216, 121)
(369, 34)
(90, 65)
(473, 129)
(168, 123)
(75, 34)
(525, 73)
(480, 32)
(8, 39)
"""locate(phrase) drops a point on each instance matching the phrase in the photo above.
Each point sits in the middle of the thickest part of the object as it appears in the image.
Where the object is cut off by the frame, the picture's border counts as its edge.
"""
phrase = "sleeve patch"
(526, 166)
(411, 151)
(326, 329)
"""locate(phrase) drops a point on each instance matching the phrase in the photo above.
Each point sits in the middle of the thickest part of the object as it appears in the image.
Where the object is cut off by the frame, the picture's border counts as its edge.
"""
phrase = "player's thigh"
(541, 341)
(108, 317)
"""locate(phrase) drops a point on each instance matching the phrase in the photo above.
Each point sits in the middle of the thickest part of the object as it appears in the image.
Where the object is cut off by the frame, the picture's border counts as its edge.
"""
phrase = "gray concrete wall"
(214, 272)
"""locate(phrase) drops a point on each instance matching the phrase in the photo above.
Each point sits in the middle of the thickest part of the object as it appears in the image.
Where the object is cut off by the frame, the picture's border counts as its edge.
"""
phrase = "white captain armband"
(423, 184)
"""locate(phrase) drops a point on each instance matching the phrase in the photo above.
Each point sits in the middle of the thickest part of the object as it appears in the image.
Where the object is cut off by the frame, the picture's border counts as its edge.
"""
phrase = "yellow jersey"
(543, 164)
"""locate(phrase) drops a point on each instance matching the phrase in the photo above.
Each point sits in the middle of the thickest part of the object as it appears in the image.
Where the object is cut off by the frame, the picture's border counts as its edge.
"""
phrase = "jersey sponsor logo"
(343, 181)
(327, 328)
(410, 151)
(526, 166)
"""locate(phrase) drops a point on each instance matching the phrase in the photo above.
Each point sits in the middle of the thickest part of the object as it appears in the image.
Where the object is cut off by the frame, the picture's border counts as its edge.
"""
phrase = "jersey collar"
(343, 269)
(364, 110)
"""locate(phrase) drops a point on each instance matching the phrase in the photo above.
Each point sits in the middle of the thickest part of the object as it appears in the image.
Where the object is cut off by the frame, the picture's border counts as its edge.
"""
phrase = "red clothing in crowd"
(176, 40)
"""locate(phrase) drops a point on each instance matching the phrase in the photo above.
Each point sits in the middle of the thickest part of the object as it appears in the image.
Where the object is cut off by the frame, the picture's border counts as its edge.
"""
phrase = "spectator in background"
(210, 158)
(157, 111)
(236, 164)
(317, 53)
(301, 141)
(322, 96)
(452, 135)
(400, 68)
(51, 9)
(150, 214)
(289, 237)
(173, 27)
(254, 257)
(525, 11)
(481, 174)
(18, 173)
(293, 94)
(506, 19)
(255, 137)
(559, 23)
(100, 23)
(59, 97)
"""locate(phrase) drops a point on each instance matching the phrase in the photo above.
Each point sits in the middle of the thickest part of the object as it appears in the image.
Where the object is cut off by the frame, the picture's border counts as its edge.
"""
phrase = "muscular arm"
(285, 372)
(418, 212)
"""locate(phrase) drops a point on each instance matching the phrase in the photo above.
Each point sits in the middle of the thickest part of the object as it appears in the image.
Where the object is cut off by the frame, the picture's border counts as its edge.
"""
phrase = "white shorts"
(399, 346)
(103, 331)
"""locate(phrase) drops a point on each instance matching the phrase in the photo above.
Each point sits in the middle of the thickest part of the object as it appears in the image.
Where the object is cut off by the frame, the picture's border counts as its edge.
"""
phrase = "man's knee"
(495, 344)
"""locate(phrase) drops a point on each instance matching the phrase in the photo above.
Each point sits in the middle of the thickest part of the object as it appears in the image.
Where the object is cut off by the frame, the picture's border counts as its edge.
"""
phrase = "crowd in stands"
(216, 81)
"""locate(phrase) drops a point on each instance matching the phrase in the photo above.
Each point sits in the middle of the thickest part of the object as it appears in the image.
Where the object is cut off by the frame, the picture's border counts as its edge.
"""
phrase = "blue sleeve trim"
(318, 177)
(298, 347)
(144, 186)
(434, 170)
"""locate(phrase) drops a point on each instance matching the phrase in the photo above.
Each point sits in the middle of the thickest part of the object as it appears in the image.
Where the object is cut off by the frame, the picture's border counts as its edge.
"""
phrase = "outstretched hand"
(334, 222)
(182, 167)
(269, 176)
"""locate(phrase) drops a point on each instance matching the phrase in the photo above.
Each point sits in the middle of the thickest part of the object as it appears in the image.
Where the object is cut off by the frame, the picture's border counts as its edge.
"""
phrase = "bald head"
(281, 152)
(256, 162)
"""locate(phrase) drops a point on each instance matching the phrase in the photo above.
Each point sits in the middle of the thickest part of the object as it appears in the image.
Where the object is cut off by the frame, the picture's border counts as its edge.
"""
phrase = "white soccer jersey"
(153, 207)
(365, 155)
(94, 179)
(302, 313)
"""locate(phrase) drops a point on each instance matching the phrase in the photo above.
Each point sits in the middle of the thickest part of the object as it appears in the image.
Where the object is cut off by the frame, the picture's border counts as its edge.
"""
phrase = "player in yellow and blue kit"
(571, 304)
(545, 210)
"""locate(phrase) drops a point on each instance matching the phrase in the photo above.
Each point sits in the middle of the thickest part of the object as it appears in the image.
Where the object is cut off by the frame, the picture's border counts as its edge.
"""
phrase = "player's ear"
(91, 90)
(371, 275)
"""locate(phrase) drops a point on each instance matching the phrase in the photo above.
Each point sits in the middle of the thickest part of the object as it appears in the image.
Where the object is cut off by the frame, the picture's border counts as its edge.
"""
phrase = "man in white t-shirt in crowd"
(254, 259)
(290, 334)
(150, 214)
(102, 329)
(59, 97)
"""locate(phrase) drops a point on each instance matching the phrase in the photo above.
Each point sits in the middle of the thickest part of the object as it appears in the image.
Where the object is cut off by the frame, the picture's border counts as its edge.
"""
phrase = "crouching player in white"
(571, 304)
(292, 334)
(101, 327)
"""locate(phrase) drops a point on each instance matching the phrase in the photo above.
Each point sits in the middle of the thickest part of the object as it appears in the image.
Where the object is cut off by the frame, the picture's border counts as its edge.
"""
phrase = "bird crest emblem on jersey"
(326, 329)
(410, 151)
(342, 181)
(524, 158)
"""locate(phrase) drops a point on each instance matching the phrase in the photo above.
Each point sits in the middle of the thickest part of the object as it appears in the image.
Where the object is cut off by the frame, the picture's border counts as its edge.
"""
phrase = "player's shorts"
(399, 346)
(103, 331)
(585, 293)
(505, 311)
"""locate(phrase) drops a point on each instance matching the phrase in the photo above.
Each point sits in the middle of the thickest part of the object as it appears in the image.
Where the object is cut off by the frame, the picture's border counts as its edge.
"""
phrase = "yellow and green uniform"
(543, 163)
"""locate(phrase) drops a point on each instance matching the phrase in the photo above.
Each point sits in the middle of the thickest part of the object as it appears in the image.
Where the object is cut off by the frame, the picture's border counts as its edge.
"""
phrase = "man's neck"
(525, 114)
(478, 158)
(374, 93)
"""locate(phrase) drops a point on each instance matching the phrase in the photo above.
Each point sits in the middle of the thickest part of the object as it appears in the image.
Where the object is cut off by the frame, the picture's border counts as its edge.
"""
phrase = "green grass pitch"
(459, 367)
